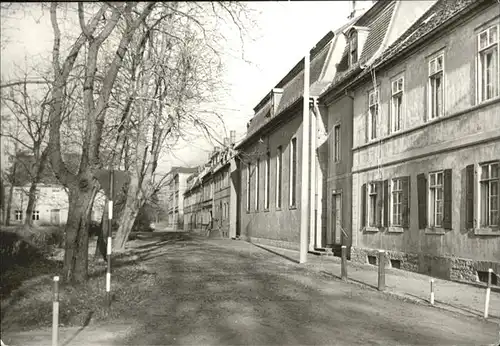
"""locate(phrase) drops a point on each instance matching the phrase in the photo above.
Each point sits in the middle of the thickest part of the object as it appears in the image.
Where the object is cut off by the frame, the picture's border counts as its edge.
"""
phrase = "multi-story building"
(51, 202)
(176, 187)
(426, 145)
(271, 155)
(211, 197)
(362, 42)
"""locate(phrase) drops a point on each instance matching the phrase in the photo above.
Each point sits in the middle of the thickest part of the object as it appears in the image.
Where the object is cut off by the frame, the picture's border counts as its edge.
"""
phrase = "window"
(372, 204)
(436, 87)
(353, 48)
(248, 186)
(396, 104)
(293, 172)
(397, 199)
(436, 196)
(336, 153)
(489, 195)
(488, 64)
(279, 175)
(35, 215)
(266, 181)
(19, 215)
(257, 180)
(373, 109)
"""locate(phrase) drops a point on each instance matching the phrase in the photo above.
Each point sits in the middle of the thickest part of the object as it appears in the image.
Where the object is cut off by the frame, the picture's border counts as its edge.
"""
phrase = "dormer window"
(353, 48)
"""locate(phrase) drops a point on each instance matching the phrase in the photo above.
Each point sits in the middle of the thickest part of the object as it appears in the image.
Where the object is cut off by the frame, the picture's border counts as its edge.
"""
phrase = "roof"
(178, 169)
(377, 19)
(439, 14)
(293, 83)
(25, 169)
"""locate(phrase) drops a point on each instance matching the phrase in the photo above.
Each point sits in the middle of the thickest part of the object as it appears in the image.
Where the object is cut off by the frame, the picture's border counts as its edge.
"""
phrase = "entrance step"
(333, 250)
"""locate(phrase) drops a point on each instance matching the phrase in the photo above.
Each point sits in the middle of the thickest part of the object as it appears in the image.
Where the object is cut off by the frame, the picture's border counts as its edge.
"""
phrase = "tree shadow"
(84, 325)
(225, 297)
(21, 261)
(275, 253)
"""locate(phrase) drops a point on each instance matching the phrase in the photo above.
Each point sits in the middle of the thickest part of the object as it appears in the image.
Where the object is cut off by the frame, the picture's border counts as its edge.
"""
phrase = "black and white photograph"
(250, 173)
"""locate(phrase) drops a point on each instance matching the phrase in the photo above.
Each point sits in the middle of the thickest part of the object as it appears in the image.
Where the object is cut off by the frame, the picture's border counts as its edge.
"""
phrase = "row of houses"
(398, 148)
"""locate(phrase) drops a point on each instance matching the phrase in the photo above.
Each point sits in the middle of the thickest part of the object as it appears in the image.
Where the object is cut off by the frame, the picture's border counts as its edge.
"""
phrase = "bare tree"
(107, 34)
(175, 69)
(28, 108)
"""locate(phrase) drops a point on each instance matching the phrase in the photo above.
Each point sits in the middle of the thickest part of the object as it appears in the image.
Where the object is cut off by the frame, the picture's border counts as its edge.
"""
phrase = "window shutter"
(367, 122)
(469, 197)
(422, 200)
(380, 203)
(447, 204)
(363, 205)
(405, 203)
(386, 203)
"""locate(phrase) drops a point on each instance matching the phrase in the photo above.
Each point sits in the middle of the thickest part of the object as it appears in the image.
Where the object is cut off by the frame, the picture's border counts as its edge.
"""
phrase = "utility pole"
(304, 193)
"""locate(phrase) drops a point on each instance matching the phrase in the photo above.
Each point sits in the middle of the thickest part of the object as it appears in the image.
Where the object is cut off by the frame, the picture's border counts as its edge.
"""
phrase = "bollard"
(55, 312)
(381, 270)
(488, 292)
(432, 291)
(343, 267)
(110, 232)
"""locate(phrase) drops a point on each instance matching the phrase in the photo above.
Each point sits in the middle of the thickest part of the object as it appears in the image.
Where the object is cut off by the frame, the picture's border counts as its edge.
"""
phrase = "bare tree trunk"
(135, 200)
(28, 220)
(77, 236)
(101, 237)
(11, 193)
(9, 205)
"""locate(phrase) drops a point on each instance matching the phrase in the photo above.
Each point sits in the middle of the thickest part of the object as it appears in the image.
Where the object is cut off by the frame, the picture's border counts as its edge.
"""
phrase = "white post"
(55, 312)
(304, 192)
(488, 292)
(432, 291)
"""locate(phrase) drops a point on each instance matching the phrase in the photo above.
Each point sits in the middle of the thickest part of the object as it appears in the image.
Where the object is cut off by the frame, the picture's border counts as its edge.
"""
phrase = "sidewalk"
(452, 296)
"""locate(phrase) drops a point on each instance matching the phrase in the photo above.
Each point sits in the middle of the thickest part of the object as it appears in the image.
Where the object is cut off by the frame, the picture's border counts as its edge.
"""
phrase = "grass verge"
(29, 305)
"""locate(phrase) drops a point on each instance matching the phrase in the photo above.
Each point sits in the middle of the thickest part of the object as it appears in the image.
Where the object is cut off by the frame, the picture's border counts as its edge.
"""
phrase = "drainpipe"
(314, 187)
(304, 192)
(318, 180)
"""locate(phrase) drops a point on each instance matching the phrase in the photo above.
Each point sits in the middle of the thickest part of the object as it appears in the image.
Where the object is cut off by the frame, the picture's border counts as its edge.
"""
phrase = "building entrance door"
(337, 218)
(55, 216)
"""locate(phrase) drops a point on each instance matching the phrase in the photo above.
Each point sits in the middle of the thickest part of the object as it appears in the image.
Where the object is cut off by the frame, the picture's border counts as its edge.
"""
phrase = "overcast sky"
(285, 31)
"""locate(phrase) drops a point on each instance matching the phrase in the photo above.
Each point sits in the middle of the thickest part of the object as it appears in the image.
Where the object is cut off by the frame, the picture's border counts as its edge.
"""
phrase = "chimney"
(275, 100)
(226, 142)
(232, 137)
(358, 7)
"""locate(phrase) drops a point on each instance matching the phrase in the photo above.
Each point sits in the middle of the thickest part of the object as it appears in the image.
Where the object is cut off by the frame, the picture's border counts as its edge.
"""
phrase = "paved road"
(212, 295)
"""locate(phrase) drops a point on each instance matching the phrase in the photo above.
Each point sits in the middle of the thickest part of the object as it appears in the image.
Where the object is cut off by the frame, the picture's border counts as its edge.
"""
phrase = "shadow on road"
(84, 325)
(276, 253)
(215, 296)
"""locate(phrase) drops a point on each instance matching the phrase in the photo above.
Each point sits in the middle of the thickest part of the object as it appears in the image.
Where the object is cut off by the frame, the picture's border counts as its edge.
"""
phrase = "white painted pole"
(488, 292)
(432, 291)
(304, 192)
(55, 312)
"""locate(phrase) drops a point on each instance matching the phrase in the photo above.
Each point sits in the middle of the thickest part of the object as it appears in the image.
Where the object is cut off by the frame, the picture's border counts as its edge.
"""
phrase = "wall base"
(273, 242)
(444, 267)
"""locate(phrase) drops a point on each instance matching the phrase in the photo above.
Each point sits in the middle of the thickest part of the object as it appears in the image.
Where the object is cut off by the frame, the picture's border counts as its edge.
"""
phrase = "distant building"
(51, 198)
(211, 198)
(175, 196)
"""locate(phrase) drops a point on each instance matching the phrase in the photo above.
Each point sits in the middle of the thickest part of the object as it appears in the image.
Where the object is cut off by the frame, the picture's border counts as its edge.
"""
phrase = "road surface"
(208, 294)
